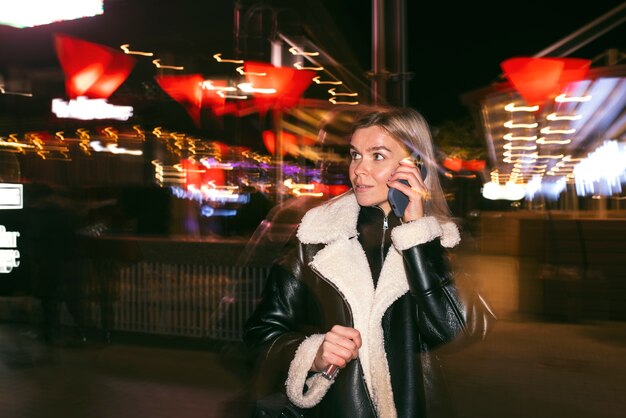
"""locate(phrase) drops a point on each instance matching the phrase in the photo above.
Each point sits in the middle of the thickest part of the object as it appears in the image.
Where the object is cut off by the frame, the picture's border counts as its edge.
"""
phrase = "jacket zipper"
(382, 241)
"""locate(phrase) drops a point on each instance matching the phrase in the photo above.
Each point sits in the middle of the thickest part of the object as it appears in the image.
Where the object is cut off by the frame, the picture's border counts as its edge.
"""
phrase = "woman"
(366, 291)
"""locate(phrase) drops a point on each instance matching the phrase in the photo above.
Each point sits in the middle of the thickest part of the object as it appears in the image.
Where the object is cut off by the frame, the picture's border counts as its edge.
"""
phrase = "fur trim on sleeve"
(423, 230)
(303, 392)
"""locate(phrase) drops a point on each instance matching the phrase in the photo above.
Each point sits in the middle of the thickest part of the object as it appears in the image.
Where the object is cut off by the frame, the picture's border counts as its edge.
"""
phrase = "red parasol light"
(290, 142)
(186, 90)
(91, 70)
(289, 84)
(574, 69)
(198, 175)
(538, 79)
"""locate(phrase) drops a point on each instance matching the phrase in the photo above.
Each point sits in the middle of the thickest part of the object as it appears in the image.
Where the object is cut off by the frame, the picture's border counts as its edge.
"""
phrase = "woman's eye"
(355, 155)
(378, 157)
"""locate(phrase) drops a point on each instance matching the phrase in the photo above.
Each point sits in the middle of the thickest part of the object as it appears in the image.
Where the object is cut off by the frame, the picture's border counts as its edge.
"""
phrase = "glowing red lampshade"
(289, 84)
(198, 175)
(91, 70)
(534, 78)
(290, 142)
(186, 90)
(193, 172)
(538, 79)
(574, 69)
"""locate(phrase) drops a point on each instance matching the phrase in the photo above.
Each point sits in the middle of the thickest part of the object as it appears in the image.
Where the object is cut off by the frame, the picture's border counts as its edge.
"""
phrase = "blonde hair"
(410, 128)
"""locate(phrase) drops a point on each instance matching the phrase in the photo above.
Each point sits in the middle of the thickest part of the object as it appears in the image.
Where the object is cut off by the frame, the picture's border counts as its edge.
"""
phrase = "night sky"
(457, 47)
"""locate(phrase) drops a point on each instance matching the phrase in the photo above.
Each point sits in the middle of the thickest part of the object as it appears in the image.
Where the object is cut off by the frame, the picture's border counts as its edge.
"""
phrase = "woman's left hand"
(416, 190)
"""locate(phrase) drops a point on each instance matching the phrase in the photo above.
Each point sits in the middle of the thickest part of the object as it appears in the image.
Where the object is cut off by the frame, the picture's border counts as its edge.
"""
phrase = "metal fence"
(188, 300)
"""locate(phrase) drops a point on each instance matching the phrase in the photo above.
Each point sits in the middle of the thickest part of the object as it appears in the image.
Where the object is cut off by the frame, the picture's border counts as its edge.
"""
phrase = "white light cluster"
(508, 191)
(27, 13)
(550, 190)
(603, 171)
(90, 109)
(9, 254)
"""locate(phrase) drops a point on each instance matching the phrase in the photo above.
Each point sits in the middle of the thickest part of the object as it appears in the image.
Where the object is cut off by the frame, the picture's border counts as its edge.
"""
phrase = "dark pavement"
(524, 369)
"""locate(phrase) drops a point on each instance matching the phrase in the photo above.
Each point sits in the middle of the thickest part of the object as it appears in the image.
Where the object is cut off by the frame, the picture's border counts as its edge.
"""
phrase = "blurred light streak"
(113, 149)
(126, 50)
(562, 98)
(554, 116)
(231, 96)
(549, 131)
(157, 63)
(299, 66)
(297, 187)
(207, 212)
(318, 81)
(549, 157)
(241, 71)
(3, 91)
(543, 141)
(511, 124)
(208, 85)
(340, 102)
(205, 193)
(511, 107)
(510, 137)
(249, 88)
(296, 51)
(218, 58)
(519, 147)
(334, 93)
(522, 155)
(12, 144)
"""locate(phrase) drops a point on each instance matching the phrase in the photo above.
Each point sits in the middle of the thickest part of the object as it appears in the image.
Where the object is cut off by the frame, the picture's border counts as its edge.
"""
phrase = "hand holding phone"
(399, 200)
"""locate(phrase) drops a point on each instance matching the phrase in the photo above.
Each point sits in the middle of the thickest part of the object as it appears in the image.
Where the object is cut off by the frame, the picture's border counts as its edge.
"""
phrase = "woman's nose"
(359, 167)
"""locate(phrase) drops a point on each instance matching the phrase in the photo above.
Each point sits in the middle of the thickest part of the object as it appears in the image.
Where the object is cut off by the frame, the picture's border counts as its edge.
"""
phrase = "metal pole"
(378, 52)
(400, 61)
(236, 28)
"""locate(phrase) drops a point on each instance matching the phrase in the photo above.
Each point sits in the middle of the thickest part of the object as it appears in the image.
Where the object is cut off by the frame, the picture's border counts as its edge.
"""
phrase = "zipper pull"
(385, 224)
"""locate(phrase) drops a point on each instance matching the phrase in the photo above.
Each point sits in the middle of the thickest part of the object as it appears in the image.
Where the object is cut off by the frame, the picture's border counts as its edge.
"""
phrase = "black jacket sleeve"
(445, 311)
(275, 330)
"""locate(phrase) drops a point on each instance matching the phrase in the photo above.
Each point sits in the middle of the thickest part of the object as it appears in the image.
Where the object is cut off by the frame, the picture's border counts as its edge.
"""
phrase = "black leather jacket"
(319, 282)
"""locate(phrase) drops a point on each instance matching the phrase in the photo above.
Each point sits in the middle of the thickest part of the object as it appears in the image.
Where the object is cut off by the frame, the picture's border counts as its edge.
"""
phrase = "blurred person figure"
(367, 293)
(56, 265)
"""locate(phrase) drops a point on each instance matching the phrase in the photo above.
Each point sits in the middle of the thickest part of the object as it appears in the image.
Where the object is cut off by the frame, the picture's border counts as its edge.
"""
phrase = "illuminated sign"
(90, 109)
(11, 196)
(9, 255)
(28, 13)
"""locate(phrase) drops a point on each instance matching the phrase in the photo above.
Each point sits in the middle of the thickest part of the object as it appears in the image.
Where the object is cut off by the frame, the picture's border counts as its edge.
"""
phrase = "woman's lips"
(361, 187)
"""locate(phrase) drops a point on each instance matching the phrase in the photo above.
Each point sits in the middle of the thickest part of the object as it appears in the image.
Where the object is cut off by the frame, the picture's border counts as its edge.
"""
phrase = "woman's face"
(375, 155)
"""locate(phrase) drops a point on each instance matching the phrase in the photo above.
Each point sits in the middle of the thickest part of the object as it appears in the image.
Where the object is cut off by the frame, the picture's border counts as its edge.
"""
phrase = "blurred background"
(156, 156)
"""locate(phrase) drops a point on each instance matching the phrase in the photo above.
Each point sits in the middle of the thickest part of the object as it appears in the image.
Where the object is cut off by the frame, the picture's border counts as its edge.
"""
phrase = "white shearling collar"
(338, 218)
(334, 219)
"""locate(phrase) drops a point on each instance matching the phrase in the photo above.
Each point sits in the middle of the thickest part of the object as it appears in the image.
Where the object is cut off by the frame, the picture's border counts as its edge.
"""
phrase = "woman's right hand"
(340, 346)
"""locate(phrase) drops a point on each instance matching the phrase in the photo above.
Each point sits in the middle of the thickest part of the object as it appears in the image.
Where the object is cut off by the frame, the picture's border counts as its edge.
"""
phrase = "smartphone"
(399, 200)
